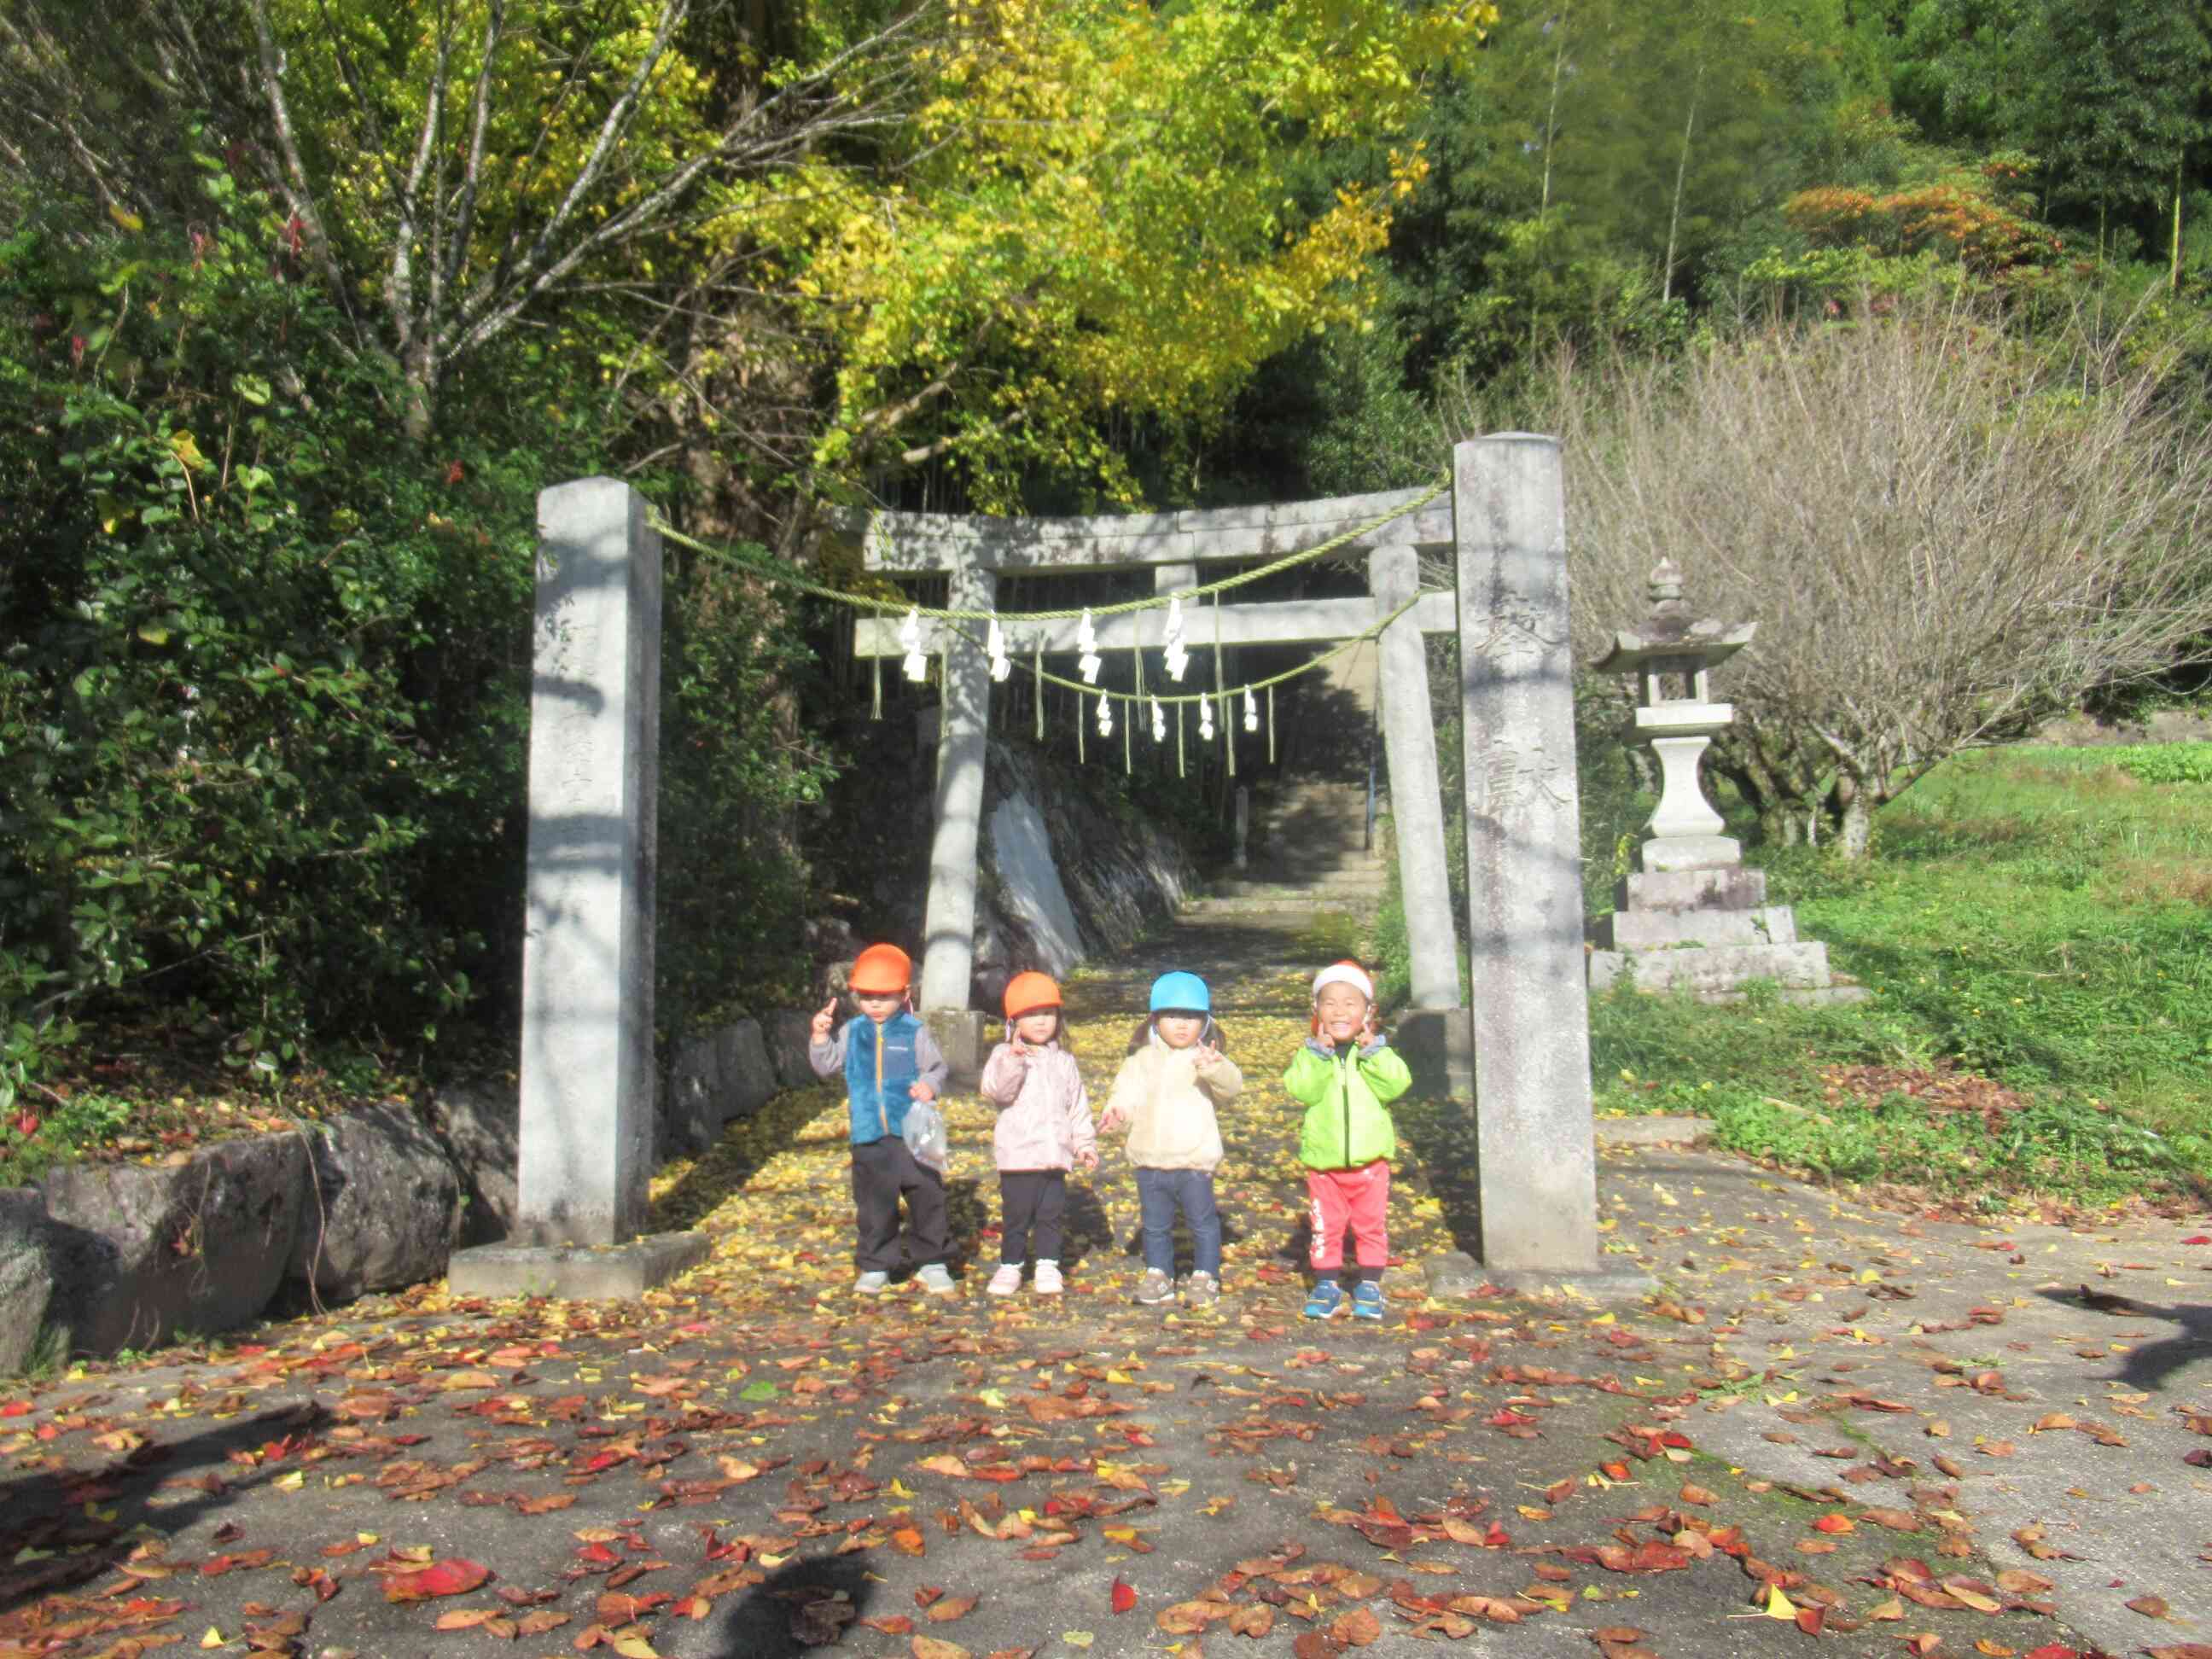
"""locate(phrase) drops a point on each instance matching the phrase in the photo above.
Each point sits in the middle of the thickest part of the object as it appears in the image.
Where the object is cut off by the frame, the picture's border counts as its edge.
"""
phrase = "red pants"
(1360, 1197)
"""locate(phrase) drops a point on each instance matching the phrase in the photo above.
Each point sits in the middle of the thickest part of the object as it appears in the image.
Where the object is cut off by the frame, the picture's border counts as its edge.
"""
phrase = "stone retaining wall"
(129, 1255)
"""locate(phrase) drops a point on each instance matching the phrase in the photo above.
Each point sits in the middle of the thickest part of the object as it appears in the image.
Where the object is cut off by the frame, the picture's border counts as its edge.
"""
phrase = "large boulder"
(1029, 884)
(690, 1114)
(790, 1034)
(481, 1125)
(749, 1081)
(386, 1208)
(197, 1245)
(26, 1275)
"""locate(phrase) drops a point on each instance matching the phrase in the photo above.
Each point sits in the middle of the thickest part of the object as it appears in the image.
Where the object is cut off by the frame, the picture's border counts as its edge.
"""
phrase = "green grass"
(2041, 917)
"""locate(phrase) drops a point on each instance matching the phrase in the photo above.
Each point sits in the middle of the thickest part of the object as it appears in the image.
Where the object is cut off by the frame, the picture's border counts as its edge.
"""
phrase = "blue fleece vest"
(875, 1095)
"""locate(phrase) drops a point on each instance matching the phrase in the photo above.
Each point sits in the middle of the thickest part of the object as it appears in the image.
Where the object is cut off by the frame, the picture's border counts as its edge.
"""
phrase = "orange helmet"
(882, 969)
(1029, 993)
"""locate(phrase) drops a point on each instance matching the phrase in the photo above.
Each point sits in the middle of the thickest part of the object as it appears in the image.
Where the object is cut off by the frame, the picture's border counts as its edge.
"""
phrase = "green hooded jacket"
(1346, 1095)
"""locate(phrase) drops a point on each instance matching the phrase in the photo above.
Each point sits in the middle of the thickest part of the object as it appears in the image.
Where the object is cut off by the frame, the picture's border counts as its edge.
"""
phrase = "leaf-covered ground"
(1825, 1428)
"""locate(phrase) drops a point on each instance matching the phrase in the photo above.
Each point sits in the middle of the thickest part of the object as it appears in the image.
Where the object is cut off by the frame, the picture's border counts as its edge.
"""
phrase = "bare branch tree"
(1944, 531)
(415, 231)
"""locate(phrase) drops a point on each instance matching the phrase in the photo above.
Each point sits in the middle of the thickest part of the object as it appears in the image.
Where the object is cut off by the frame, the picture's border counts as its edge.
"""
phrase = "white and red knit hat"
(1344, 973)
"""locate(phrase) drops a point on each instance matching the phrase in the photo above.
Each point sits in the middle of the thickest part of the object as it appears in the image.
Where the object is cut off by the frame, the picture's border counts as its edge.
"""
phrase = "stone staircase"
(1309, 857)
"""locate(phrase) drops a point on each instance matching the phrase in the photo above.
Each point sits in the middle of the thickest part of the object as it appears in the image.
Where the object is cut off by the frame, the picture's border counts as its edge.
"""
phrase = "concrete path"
(1910, 1436)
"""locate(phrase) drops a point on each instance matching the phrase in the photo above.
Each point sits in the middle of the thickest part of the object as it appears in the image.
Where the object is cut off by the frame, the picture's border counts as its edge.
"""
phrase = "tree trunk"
(1854, 807)
(1681, 168)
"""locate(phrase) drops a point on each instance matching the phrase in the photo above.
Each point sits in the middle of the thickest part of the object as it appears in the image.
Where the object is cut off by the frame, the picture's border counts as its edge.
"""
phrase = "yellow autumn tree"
(970, 229)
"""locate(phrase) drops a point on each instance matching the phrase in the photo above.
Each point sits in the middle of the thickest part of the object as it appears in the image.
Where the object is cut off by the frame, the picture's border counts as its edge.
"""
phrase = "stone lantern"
(1695, 918)
(1672, 657)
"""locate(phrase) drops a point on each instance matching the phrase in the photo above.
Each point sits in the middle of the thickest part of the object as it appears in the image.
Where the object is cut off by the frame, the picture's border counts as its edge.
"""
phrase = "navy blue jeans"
(1161, 1193)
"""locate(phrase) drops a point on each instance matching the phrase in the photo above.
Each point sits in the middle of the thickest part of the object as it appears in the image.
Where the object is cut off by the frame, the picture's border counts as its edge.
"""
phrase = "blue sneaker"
(1326, 1300)
(1367, 1300)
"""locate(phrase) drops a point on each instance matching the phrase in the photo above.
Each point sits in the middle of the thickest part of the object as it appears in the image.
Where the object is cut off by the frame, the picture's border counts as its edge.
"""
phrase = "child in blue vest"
(889, 1061)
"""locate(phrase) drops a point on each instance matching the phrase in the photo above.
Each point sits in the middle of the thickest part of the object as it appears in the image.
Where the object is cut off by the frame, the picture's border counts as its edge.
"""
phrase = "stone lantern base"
(1710, 931)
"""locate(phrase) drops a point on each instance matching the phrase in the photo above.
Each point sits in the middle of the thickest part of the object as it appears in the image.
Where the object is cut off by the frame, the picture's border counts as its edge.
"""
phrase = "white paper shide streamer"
(1105, 715)
(1251, 711)
(1206, 720)
(916, 665)
(1159, 722)
(1086, 641)
(995, 647)
(1171, 646)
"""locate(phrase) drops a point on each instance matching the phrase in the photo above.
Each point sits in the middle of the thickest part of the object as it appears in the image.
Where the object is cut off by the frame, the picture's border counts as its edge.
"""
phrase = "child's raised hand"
(1371, 1028)
(1110, 1120)
(1208, 1057)
(1088, 1160)
(823, 1019)
(921, 1091)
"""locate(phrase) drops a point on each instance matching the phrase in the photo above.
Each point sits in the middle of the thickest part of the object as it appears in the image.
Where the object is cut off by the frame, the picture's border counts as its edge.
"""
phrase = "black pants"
(1027, 1198)
(882, 1171)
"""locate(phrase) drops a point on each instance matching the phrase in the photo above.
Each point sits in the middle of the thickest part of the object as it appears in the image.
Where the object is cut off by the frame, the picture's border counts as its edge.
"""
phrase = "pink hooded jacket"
(1044, 1113)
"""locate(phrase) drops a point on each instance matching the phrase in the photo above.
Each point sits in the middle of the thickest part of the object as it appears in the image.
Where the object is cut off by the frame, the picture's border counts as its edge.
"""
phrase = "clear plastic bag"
(924, 1131)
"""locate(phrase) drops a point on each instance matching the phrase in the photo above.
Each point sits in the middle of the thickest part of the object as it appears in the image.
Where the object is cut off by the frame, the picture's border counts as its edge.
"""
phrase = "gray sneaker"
(934, 1279)
(1201, 1291)
(871, 1283)
(1154, 1288)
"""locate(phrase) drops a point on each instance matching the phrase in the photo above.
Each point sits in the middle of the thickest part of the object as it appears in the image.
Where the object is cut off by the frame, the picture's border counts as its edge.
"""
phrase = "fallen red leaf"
(1124, 1597)
(453, 1578)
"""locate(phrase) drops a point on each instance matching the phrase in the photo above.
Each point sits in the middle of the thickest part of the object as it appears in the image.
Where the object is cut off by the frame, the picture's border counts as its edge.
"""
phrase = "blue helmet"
(1181, 992)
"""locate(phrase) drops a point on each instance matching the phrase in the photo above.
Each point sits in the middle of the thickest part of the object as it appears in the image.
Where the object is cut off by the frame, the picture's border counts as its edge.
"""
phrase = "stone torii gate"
(1504, 522)
(588, 1072)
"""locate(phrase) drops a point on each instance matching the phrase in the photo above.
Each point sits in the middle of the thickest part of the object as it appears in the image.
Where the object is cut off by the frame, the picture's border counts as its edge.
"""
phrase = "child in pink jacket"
(1044, 1126)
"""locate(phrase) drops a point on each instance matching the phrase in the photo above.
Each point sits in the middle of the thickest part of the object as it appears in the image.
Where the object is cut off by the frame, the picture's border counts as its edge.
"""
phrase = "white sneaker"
(871, 1283)
(1007, 1279)
(934, 1278)
(1047, 1281)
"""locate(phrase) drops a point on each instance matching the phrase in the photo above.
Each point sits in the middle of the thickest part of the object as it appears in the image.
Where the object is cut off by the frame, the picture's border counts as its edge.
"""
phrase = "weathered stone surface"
(199, 1245)
(480, 1124)
(948, 958)
(26, 1275)
(1438, 1046)
(1724, 968)
(749, 1079)
(1691, 890)
(1416, 798)
(961, 1034)
(1538, 1162)
(1690, 853)
(1454, 1272)
(1632, 930)
(691, 1114)
(1670, 1130)
(789, 1034)
(571, 1273)
(1029, 884)
(588, 1072)
(390, 1205)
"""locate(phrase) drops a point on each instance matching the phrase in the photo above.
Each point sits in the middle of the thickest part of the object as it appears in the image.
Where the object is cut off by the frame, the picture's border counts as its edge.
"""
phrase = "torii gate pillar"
(1433, 1030)
(1531, 1014)
(948, 962)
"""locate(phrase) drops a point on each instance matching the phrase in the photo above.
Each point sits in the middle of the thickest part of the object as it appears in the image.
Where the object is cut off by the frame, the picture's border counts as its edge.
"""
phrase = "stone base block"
(1674, 1131)
(1738, 889)
(1644, 930)
(1724, 968)
(1692, 853)
(1455, 1273)
(1438, 1046)
(961, 1033)
(575, 1272)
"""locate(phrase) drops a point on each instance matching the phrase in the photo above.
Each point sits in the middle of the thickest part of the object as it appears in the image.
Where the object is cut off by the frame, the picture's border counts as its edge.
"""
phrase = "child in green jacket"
(1346, 1074)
